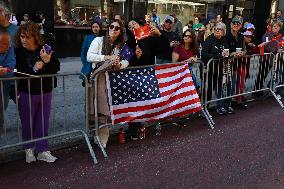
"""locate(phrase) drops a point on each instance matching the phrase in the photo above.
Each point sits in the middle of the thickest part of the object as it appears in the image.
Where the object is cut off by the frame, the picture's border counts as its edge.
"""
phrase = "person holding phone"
(173, 40)
(35, 59)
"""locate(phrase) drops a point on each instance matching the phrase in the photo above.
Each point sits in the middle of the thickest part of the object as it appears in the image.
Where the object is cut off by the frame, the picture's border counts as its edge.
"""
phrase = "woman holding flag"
(147, 41)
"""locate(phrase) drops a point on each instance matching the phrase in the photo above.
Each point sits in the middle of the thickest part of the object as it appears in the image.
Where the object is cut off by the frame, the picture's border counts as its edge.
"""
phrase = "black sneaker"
(221, 111)
(230, 110)
(244, 105)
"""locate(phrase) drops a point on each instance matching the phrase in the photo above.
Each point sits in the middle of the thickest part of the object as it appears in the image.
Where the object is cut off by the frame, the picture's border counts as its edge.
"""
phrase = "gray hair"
(7, 11)
(222, 26)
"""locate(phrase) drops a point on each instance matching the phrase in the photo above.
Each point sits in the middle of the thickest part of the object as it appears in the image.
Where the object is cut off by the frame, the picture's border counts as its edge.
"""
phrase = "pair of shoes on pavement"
(223, 111)
(42, 156)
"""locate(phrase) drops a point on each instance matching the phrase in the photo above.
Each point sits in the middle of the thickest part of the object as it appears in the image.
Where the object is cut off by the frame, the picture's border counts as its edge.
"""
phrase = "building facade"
(72, 17)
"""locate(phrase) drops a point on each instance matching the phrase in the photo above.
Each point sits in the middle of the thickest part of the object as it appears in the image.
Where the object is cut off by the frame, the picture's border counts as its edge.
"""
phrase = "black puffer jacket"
(213, 48)
(26, 60)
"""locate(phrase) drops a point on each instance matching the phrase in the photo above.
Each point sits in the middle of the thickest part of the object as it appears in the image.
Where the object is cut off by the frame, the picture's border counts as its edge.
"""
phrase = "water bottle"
(158, 129)
(142, 132)
(200, 50)
(121, 136)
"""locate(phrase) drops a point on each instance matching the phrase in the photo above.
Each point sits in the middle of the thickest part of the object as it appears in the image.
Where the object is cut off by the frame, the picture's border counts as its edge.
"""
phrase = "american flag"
(151, 93)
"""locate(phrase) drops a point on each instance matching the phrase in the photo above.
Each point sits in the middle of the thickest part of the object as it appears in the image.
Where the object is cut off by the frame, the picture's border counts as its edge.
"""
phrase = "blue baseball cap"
(249, 26)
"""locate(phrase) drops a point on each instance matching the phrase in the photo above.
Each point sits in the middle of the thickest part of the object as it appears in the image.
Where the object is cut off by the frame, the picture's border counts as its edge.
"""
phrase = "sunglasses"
(168, 21)
(236, 23)
(115, 28)
(189, 36)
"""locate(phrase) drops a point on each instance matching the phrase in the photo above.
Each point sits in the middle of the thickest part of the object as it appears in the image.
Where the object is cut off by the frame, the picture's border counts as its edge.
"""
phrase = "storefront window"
(245, 8)
(79, 12)
(185, 10)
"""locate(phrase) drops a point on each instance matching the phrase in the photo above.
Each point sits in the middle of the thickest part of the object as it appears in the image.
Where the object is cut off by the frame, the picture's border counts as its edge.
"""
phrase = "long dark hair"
(119, 42)
(193, 44)
(131, 42)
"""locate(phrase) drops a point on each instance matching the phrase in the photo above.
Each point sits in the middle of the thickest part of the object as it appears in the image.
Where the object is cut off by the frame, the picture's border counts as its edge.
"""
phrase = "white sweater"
(94, 53)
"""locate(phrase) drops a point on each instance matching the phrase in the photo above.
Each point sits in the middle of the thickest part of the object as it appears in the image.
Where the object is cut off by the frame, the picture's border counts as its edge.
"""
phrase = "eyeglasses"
(168, 21)
(218, 29)
(189, 36)
(115, 28)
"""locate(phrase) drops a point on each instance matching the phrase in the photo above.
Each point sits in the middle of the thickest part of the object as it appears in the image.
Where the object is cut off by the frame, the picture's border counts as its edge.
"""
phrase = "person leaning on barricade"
(216, 47)
(33, 59)
(11, 28)
(186, 52)
(86, 69)
(7, 64)
(235, 40)
(270, 44)
(145, 52)
(102, 49)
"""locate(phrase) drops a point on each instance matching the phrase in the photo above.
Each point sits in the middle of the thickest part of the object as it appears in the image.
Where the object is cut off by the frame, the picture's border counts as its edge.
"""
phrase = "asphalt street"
(245, 150)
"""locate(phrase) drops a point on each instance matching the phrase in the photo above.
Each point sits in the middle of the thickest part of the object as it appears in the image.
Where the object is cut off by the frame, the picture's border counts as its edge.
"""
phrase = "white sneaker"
(46, 156)
(30, 157)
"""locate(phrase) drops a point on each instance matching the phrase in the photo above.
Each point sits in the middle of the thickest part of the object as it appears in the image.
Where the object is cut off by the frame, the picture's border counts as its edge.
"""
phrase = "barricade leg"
(208, 118)
(96, 135)
(277, 99)
(90, 147)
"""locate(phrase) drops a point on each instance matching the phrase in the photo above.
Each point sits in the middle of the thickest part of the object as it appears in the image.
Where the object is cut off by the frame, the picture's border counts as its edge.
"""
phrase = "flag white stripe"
(174, 85)
(173, 103)
(168, 79)
(167, 70)
(152, 101)
(175, 111)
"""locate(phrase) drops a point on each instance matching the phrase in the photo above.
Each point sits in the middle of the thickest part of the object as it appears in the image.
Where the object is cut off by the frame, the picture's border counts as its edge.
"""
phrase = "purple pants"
(36, 129)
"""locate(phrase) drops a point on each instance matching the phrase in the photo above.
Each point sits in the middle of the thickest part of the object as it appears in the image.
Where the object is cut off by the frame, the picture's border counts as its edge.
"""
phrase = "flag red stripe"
(186, 112)
(183, 85)
(156, 105)
(171, 108)
(177, 80)
(171, 74)
(166, 66)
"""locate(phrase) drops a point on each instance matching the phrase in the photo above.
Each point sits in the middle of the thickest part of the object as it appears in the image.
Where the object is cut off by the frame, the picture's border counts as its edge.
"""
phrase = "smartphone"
(47, 48)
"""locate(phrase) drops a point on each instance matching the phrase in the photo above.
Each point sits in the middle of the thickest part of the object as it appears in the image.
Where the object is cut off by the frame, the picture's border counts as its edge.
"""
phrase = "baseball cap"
(249, 26)
(238, 19)
(247, 33)
(169, 17)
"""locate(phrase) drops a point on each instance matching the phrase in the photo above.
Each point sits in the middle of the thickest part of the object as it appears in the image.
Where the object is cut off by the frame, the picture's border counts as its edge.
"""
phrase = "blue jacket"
(8, 60)
(87, 66)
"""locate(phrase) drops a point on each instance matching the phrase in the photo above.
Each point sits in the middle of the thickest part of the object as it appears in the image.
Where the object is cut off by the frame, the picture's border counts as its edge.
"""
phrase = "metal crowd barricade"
(228, 78)
(93, 83)
(278, 77)
(67, 111)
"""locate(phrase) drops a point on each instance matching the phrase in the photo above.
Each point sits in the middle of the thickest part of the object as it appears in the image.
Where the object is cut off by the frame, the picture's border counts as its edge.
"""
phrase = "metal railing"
(66, 111)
